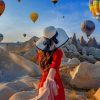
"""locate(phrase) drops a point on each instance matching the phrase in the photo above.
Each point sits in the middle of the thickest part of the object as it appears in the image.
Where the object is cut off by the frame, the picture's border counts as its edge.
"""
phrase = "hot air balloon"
(2, 7)
(63, 17)
(94, 6)
(88, 27)
(1, 37)
(34, 16)
(19, 0)
(24, 35)
(54, 1)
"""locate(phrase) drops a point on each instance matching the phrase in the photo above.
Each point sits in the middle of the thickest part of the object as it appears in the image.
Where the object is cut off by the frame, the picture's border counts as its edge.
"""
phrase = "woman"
(49, 57)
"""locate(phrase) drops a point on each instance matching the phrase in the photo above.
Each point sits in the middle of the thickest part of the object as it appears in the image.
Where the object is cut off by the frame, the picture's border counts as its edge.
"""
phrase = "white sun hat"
(57, 35)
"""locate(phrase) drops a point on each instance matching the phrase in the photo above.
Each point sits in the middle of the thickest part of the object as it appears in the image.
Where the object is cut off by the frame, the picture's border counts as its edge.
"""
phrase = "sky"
(16, 21)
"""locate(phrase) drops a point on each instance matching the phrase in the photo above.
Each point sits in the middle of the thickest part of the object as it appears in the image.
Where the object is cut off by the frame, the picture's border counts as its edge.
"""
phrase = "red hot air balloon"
(88, 27)
(2, 7)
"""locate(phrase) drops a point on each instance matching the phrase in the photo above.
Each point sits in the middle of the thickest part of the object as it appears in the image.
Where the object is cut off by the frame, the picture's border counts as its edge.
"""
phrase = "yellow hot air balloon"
(2, 7)
(94, 6)
(34, 16)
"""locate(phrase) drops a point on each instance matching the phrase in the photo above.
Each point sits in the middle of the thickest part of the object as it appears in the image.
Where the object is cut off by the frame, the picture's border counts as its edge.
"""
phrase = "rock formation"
(13, 66)
(84, 76)
(83, 42)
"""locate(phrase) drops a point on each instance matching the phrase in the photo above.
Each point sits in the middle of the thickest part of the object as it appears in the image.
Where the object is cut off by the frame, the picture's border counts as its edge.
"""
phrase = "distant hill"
(20, 47)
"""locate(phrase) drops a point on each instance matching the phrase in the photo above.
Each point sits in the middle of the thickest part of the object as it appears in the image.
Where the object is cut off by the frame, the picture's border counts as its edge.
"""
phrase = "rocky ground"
(79, 70)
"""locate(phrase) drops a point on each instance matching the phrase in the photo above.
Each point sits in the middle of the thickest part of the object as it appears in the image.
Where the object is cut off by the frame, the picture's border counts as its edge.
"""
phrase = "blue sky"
(15, 20)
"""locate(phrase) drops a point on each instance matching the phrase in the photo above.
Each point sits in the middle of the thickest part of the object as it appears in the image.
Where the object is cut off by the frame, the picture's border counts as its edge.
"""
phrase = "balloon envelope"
(63, 17)
(24, 35)
(1, 37)
(34, 16)
(88, 27)
(54, 1)
(19, 0)
(2, 7)
(94, 6)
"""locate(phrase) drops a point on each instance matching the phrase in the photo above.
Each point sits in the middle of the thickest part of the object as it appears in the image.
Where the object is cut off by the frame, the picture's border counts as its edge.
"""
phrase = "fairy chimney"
(83, 42)
(74, 40)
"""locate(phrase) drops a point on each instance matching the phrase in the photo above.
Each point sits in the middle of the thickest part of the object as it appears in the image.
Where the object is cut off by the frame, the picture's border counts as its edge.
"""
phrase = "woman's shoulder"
(58, 50)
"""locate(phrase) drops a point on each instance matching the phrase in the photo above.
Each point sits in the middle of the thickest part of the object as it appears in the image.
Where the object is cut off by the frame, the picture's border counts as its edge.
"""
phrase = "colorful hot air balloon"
(94, 6)
(1, 37)
(54, 1)
(2, 7)
(87, 27)
(34, 16)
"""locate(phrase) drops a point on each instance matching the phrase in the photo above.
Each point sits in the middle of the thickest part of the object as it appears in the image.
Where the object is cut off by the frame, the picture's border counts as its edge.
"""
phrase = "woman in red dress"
(49, 57)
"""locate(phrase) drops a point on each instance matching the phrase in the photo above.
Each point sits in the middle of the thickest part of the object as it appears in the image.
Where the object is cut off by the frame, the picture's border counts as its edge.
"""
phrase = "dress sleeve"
(57, 56)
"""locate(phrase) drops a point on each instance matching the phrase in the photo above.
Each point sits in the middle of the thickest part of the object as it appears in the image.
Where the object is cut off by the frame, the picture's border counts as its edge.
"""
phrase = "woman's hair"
(45, 59)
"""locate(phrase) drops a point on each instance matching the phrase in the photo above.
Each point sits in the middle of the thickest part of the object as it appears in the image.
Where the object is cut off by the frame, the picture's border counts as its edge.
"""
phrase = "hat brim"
(61, 37)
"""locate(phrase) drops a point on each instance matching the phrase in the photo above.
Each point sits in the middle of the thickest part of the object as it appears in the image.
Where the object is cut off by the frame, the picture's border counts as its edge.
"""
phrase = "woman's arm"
(51, 73)
(51, 82)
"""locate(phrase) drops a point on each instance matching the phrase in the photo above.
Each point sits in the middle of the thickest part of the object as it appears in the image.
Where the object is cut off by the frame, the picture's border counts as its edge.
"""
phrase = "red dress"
(57, 55)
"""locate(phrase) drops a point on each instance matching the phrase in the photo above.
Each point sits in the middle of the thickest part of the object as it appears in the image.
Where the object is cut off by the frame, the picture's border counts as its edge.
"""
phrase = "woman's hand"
(50, 82)
(52, 86)
(44, 93)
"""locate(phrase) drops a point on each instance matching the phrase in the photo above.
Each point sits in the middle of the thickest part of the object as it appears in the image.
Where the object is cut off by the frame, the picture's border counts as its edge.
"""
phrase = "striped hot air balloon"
(94, 6)
(2, 7)
(88, 27)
